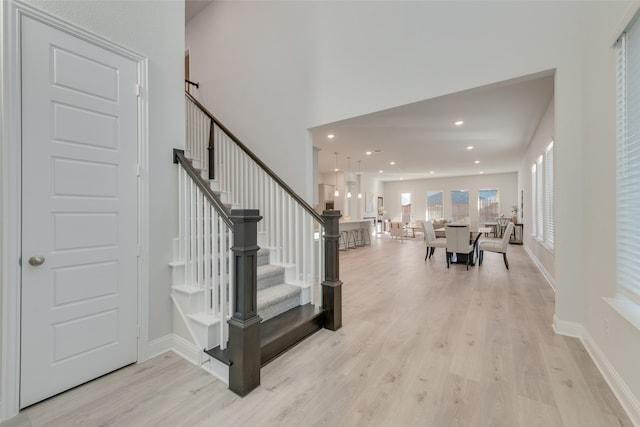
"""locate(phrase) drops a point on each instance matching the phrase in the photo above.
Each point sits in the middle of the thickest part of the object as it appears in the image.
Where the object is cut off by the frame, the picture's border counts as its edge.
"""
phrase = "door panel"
(79, 211)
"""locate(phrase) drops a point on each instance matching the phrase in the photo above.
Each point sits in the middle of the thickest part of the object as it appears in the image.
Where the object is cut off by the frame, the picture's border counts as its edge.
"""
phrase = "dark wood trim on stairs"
(332, 285)
(279, 334)
(178, 157)
(244, 325)
(287, 329)
(258, 161)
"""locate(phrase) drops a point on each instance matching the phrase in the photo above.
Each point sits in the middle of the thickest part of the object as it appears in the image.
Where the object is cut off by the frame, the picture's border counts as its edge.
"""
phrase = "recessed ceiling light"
(379, 171)
(331, 136)
(481, 172)
(336, 170)
(368, 153)
(476, 162)
(458, 123)
(432, 172)
(392, 163)
(470, 147)
(401, 178)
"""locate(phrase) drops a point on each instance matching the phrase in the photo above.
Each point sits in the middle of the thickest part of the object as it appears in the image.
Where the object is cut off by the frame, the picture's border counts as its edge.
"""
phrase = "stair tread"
(284, 331)
(274, 294)
(269, 270)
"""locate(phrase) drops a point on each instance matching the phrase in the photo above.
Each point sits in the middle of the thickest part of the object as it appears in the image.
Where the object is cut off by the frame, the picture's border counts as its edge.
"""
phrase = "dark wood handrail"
(255, 158)
(203, 185)
(197, 85)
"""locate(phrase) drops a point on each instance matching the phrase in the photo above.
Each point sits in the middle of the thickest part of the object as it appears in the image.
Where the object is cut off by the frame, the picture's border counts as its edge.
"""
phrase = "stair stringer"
(194, 330)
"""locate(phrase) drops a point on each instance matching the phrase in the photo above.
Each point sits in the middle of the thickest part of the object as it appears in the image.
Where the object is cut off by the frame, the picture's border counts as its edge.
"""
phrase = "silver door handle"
(36, 260)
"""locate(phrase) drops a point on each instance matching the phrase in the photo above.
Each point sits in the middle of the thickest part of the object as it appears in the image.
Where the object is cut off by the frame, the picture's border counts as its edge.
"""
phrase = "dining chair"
(397, 230)
(502, 225)
(496, 245)
(459, 242)
(430, 239)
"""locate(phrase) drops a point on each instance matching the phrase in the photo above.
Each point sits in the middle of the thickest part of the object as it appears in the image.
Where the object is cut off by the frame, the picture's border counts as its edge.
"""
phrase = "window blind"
(628, 162)
(548, 195)
(539, 200)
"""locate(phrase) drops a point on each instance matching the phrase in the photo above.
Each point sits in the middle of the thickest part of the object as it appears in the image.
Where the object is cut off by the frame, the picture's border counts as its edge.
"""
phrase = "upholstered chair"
(498, 245)
(430, 239)
(459, 242)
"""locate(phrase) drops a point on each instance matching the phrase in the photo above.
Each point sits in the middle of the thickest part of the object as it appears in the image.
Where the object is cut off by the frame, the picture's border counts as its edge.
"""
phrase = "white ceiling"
(499, 122)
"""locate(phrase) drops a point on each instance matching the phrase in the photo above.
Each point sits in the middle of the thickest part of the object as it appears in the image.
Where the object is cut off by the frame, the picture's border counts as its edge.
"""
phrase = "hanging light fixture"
(336, 193)
(347, 178)
(359, 181)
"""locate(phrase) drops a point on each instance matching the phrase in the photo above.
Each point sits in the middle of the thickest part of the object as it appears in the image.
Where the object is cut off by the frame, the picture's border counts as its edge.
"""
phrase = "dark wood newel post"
(332, 286)
(244, 325)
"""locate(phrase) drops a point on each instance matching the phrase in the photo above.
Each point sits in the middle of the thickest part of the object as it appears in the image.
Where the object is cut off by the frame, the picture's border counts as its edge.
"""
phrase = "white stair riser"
(208, 335)
(190, 303)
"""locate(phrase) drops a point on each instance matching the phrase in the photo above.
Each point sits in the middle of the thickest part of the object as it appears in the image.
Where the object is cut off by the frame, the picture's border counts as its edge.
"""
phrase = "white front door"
(79, 211)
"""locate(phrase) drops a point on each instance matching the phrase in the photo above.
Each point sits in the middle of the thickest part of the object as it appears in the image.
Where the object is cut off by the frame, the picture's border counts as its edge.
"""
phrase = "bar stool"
(365, 236)
(357, 233)
(342, 241)
(351, 239)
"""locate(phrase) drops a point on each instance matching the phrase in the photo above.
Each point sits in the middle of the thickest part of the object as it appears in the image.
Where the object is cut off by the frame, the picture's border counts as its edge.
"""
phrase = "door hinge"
(138, 169)
(138, 90)
(138, 251)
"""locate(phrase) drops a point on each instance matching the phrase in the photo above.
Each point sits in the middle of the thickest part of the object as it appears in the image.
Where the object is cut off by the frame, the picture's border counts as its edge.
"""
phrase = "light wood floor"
(421, 346)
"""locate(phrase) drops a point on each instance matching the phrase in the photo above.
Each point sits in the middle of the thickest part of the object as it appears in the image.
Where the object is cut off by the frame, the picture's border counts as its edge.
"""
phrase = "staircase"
(275, 296)
(255, 267)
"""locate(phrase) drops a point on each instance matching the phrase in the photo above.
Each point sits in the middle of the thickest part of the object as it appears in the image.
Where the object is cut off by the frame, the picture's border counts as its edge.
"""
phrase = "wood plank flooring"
(422, 345)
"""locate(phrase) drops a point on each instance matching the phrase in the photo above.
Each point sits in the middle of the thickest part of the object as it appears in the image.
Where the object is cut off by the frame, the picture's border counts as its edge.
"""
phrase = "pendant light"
(336, 193)
(359, 181)
(347, 178)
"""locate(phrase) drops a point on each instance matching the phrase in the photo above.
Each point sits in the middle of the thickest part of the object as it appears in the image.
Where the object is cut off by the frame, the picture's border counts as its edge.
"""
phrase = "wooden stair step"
(284, 331)
(279, 334)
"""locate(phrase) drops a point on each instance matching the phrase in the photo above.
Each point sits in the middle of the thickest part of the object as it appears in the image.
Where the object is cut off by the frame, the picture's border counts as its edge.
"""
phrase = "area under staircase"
(255, 268)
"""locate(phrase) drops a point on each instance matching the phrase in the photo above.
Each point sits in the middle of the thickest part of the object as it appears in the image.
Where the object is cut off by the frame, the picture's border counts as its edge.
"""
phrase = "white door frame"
(11, 15)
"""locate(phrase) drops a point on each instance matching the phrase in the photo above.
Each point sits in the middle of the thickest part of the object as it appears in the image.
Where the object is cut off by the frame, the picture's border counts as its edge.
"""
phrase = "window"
(435, 207)
(405, 202)
(628, 162)
(488, 205)
(548, 195)
(460, 206)
(542, 197)
(539, 200)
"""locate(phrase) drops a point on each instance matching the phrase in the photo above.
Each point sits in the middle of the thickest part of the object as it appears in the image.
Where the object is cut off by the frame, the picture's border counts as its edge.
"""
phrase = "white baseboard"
(626, 398)
(190, 352)
(550, 280)
(620, 389)
(156, 348)
(569, 329)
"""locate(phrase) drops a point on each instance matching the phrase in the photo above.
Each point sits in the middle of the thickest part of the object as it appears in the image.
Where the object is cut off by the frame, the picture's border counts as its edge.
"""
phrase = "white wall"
(505, 183)
(323, 69)
(612, 337)
(154, 29)
(253, 64)
(354, 207)
(543, 135)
